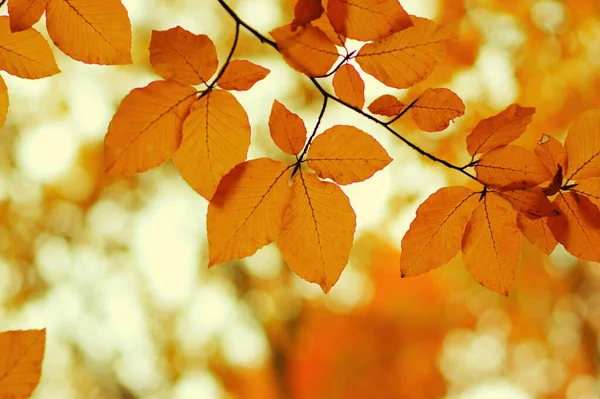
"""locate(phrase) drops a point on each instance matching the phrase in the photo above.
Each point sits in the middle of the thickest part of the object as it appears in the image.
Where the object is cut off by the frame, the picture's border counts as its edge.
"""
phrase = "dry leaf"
(242, 75)
(583, 146)
(349, 86)
(25, 13)
(21, 356)
(537, 232)
(387, 105)
(287, 129)
(436, 108)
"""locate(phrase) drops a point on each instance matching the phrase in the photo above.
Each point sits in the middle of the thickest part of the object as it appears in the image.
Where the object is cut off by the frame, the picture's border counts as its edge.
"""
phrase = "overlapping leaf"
(436, 108)
(306, 11)
(147, 128)
(590, 188)
(21, 356)
(91, 31)
(552, 154)
(386, 105)
(531, 202)
(406, 57)
(177, 54)
(24, 13)
(242, 75)
(349, 86)
(435, 234)
(318, 230)
(4, 102)
(287, 129)
(346, 155)
(491, 244)
(583, 146)
(216, 137)
(537, 232)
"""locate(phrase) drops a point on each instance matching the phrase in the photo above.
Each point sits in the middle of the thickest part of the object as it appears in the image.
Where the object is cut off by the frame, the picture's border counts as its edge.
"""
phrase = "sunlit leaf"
(4, 102)
(435, 235)
(583, 146)
(308, 49)
(387, 105)
(511, 167)
(21, 356)
(367, 20)
(578, 226)
(349, 86)
(147, 128)
(499, 129)
(323, 23)
(91, 31)
(531, 202)
(436, 108)
(246, 211)
(551, 153)
(491, 245)
(346, 155)
(24, 13)
(287, 129)
(306, 11)
(590, 188)
(216, 137)
(537, 232)
(177, 54)
(242, 75)
(406, 57)
(25, 54)
(318, 230)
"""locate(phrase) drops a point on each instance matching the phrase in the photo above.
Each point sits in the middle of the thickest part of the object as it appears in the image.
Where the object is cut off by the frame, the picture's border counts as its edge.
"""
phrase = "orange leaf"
(499, 129)
(4, 102)
(552, 153)
(91, 31)
(387, 105)
(287, 129)
(346, 155)
(24, 13)
(511, 167)
(537, 232)
(242, 75)
(216, 137)
(146, 129)
(555, 184)
(177, 54)
(590, 188)
(435, 235)
(491, 245)
(436, 108)
(318, 230)
(25, 54)
(530, 202)
(308, 49)
(246, 211)
(323, 23)
(406, 57)
(367, 20)
(349, 86)
(306, 11)
(583, 146)
(578, 226)
(21, 356)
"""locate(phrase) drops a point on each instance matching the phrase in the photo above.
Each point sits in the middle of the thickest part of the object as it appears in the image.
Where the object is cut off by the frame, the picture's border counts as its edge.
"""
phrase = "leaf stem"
(312, 136)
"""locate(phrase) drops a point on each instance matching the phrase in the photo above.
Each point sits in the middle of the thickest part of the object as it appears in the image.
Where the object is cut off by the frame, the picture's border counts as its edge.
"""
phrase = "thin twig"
(312, 136)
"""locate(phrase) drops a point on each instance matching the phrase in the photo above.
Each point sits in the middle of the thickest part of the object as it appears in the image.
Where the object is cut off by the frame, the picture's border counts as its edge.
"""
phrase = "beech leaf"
(590, 188)
(583, 146)
(306, 11)
(21, 356)
(349, 86)
(387, 105)
(537, 232)
(4, 102)
(531, 202)
(436, 108)
(25, 13)
(552, 154)
(242, 75)
(287, 129)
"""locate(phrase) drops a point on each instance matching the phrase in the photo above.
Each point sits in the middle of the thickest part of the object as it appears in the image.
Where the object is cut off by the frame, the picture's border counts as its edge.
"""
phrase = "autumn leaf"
(578, 226)
(537, 232)
(216, 137)
(25, 54)
(242, 75)
(435, 235)
(306, 11)
(491, 245)
(387, 105)
(4, 102)
(94, 32)
(308, 49)
(246, 211)
(551, 153)
(531, 202)
(436, 108)
(511, 167)
(583, 146)
(21, 356)
(555, 184)
(318, 230)
(590, 188)
(146, 129)
(406, 57)
(349, 86)
(177, 54)
(346, 155)
(287, 129)
(367, 20)
(24, 13)
(323, 23)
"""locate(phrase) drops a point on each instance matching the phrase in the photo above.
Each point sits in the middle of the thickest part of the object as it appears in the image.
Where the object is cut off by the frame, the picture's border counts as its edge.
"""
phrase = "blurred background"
(116, 268)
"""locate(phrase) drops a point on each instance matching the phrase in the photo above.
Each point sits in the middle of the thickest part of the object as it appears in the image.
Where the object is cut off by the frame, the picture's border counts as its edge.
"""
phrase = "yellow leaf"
(387, 105)
(91, 31)
(436, 108)
(406, 57)
(530, 202)
(346, 155)
(146, 129)
(552, 154)
(318, 230)
(349, 86)
(435, 235)
(177, 54)
(24, 13)
(216, 137)
(25, 54)
(491, 245)
(287, 129)
(4, 102)
(246, 211)
(21, 356)
(583, 146)
(242, 75)
(537, 232)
